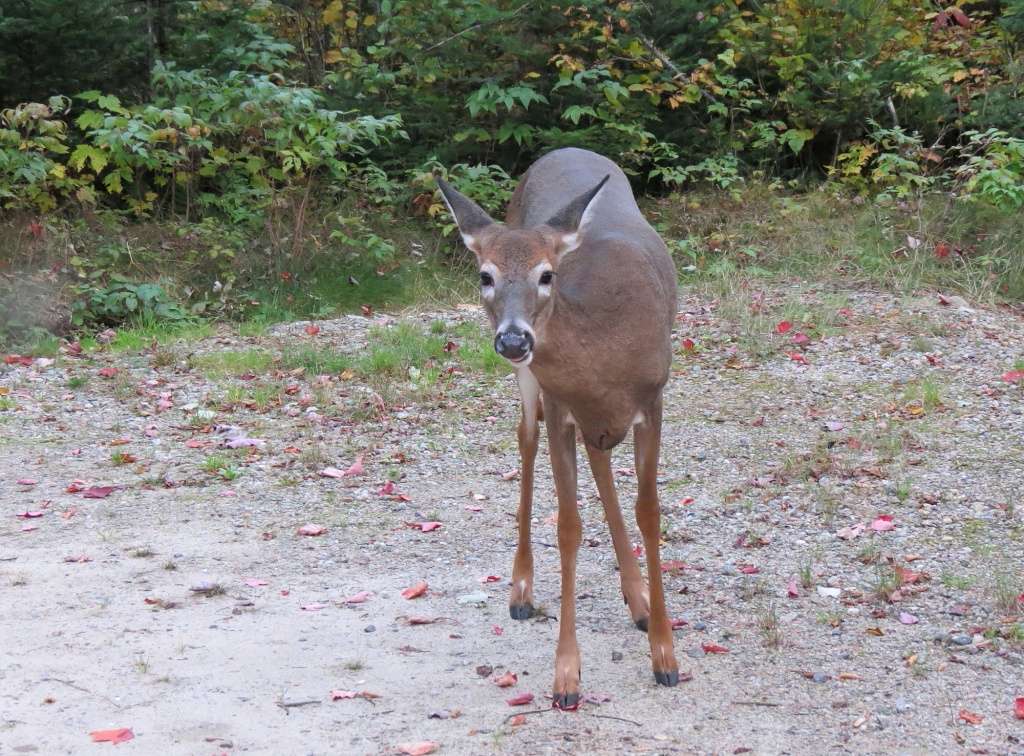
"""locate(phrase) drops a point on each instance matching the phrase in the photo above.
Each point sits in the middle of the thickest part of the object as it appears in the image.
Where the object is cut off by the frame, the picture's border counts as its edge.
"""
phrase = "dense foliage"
(276, 128)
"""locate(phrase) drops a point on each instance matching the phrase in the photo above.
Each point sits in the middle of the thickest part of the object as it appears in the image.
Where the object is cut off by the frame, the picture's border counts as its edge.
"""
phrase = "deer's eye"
(546, 277)
(486, 279)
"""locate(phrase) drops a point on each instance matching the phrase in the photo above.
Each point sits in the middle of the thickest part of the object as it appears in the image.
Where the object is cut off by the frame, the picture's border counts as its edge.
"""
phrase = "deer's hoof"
(566, 701)
(668, 679)
(520, 611)
(641, 624)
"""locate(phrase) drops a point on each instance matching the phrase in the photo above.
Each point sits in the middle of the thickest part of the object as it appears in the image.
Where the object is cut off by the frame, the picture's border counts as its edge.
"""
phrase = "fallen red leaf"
(521, 700)
(311, 530)
(338, 695)
(497, 629)
(784, 326)
(120, 735)
(672, 565)
(678, 622)
(801, 339)
(506, 680)
(387, 489)
(970, 717)
(420, 748)
(882, 523)
(451, 347)
(714, 648)
(415, 591)
(797, 357)
(688, 345)
(29, 515)
(490, 578)
(17, 359)
(749, 569)
(942, 250)
(367, 310)
(97, 492)
(357, 598)
(791, 590)
(1013, 376)
(426, 527)
(108, 372)
(312, 329)
(1018, 708)
(517, 720)
(27, 482)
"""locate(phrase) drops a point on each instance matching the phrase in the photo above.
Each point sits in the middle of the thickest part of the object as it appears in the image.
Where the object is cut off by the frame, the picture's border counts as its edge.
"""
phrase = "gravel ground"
(842, 522)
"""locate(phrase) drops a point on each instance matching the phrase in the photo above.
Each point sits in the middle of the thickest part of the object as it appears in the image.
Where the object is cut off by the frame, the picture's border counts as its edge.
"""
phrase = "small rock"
(484, 670)
(820, 677)
(960, 639)
(729, 569)
(616, 656)
(700, 626)
(370, 629)
(477, 597)
(696, 653)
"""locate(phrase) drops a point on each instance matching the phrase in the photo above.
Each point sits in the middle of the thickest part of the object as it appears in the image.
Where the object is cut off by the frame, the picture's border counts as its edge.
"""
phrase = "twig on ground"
(286, 705)
(524, 713)
(83, 690)
(756, 703)
(618, 719)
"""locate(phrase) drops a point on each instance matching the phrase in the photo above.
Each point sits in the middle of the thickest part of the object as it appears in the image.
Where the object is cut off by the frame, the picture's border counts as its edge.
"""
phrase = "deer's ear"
(572, 219)
(469, 216)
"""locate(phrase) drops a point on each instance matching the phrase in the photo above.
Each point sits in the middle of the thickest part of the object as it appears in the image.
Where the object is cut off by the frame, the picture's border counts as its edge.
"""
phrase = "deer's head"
(519, 266)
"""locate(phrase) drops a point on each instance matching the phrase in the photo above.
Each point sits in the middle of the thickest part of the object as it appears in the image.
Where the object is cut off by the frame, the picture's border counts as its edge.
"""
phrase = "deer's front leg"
(520, 605)
(562, 443)
(647, 438)
(521, 601)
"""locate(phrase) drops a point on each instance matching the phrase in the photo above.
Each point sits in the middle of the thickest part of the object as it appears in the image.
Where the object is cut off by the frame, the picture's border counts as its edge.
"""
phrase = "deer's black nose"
(513, 343)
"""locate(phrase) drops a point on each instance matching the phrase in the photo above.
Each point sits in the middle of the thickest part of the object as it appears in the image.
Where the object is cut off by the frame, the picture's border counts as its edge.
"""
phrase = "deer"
(581, 293)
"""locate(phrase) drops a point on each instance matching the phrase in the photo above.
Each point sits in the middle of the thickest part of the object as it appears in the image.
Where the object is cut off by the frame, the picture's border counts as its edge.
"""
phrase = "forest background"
(165, 163)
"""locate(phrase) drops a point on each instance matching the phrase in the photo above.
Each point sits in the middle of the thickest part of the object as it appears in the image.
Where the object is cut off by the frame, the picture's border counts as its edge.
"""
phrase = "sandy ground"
(187, 608)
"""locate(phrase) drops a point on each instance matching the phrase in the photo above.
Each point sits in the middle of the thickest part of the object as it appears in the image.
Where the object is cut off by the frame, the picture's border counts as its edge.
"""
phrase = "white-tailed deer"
(581, 292)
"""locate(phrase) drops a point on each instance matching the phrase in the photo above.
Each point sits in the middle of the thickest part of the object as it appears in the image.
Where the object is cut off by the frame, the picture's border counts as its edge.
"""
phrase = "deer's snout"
(513, 343)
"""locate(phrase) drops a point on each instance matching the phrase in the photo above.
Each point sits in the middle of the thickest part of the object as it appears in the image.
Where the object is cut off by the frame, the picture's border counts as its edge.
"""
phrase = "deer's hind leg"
(521, 600)
(634, 591)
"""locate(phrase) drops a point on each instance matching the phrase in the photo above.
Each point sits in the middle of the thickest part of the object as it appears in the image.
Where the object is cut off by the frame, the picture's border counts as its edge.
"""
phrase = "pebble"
(370, 629)
(696, 653)
(820, 677)
(960, 639)
(616, 656)
(700, 626)
(729, 569)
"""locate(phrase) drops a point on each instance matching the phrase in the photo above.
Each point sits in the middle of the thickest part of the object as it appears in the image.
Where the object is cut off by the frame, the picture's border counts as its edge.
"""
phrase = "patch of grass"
(771, 631)
(869, 554)
(141, 552)
(394, 350)
(926, 391)
(957, 582)
(1006, 590)
(315, 361)
(886, 583)
(807, 576)
(76, 381)
(226, 363)
(170, 566)
(6, 403)
(218, 464)
(903, 489)
(122, 458)
(143, 334)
